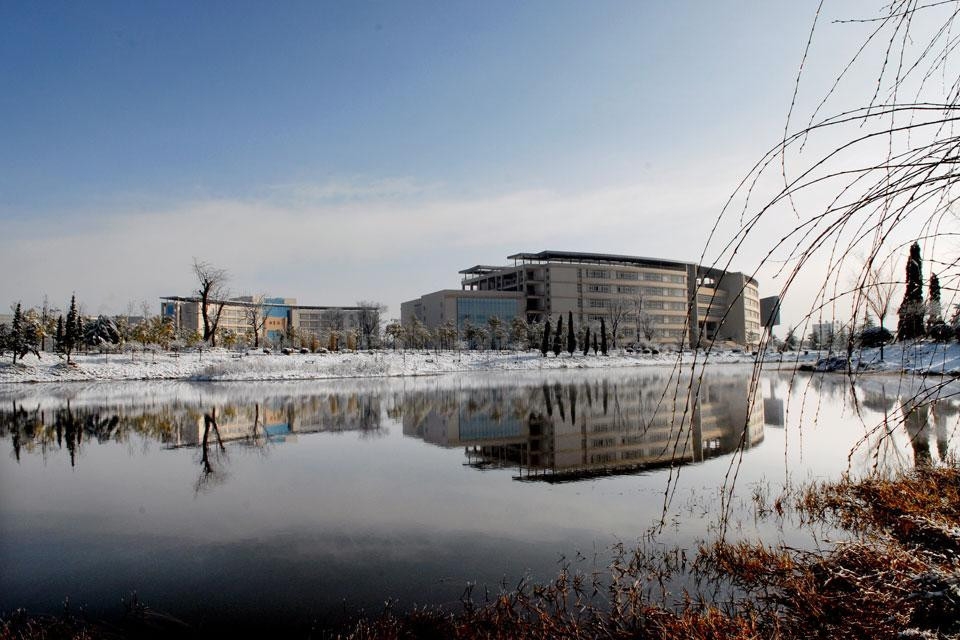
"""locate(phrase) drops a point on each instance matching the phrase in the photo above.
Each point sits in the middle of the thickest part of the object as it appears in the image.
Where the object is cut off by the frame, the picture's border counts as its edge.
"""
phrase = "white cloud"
(339, 242)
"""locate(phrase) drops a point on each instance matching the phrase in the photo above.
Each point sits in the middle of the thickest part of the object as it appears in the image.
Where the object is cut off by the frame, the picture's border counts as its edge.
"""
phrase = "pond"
(303, 502)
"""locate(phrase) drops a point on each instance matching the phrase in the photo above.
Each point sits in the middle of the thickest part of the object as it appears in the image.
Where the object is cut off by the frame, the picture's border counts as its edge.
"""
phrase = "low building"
(458, 307)
(280, 316)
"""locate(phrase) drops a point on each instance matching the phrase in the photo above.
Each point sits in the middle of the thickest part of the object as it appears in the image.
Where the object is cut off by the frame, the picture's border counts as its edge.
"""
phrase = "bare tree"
(618, 310)
(333, 319)
(368, 321)
(256, 314)
(876, 283)
(643, 321)
(212, 291)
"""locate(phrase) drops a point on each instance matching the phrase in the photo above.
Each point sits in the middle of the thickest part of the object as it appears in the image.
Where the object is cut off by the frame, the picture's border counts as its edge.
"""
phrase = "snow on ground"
(222, 365)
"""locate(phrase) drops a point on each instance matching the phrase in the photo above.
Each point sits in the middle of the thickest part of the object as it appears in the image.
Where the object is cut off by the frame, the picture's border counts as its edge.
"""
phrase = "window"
(597, 274)
(479, 310)
(653, 277)
(598, 288)
(627, 275)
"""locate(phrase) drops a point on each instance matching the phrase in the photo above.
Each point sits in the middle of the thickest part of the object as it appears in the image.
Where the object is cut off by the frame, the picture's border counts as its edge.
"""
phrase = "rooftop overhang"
(481, 270)
(597, 258)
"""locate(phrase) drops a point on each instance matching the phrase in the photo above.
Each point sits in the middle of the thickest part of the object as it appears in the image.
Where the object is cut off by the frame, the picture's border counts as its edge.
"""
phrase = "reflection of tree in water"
(945, 419)
(208, 474)
(903, 411)
(178, 424)
(916, 422)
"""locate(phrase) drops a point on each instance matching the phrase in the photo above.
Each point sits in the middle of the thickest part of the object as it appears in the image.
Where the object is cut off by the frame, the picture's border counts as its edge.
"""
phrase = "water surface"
(302, 501)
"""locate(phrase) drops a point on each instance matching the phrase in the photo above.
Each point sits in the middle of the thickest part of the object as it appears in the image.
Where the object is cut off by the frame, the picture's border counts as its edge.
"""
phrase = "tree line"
(918, 316)
(495, 334)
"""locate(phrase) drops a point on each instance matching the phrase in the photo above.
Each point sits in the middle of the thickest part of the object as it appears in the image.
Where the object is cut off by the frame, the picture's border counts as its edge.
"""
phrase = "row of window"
(603, 274)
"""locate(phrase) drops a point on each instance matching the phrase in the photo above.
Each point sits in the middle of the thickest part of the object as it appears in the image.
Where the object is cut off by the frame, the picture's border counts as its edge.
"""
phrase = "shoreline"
(225, 366)
(220, 365)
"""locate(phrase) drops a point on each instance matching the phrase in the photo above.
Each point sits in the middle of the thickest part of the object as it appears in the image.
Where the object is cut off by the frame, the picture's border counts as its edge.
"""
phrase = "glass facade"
(478, 310)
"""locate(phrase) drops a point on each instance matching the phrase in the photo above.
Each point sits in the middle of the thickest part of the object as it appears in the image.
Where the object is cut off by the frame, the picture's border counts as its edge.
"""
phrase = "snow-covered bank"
(220, 365)
(924, 357)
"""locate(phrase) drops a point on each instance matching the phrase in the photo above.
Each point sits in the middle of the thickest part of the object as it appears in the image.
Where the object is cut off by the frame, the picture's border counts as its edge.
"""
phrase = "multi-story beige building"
(639, 299)
(281, 314)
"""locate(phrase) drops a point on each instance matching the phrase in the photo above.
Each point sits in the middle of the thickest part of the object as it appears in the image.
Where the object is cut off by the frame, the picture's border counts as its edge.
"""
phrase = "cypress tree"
(58, 341)
(545, 343)
(603, 337)
(71, 335)
(586, 341)
(556, 337)
(594, 345)
(16, 338)
(910, 322)
(571, 338)
(934, 296)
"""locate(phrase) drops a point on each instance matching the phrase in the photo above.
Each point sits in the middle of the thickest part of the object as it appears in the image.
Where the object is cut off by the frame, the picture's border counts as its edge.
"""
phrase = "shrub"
(874, 337)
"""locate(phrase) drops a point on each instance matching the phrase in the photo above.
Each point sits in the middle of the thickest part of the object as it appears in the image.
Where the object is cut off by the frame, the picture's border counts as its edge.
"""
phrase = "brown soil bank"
(897, 575)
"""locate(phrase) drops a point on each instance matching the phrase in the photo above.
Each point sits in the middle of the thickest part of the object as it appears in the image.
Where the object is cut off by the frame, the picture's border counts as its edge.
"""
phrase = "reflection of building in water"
(773, 409)
(570, 430)
(279, 421)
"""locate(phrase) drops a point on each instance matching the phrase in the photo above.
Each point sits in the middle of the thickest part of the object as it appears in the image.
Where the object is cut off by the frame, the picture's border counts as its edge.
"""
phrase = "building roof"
(481, 269)
(266, 303)
(598, 258)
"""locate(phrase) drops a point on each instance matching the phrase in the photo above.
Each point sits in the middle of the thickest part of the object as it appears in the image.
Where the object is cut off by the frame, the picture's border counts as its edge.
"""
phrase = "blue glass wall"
(478, 310)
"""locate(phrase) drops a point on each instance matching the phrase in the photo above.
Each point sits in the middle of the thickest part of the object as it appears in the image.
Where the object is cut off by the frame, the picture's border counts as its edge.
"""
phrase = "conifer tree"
(72, 332)
(58, 341)
(594, 345)
(910, 323)
(545, 344)
(586, 341)
(571, 337)
(603, 337)
(556, 337)
(935, 311)
(16, 340)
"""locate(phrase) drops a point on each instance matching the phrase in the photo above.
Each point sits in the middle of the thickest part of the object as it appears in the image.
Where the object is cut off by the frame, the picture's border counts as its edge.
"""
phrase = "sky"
(338, 152)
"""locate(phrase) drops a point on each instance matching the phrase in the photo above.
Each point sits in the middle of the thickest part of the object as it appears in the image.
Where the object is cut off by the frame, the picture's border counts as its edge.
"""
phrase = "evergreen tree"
(4, 339)
(101, 332)
(24, 335)
(586, 341)
(594, 344)
(603, 337)
(58, 341)
(791, 342)
(935, 311)
(72, 333)
(910, 323)
(545, 344)
(15, 340)
(556, 337)
(571, 336)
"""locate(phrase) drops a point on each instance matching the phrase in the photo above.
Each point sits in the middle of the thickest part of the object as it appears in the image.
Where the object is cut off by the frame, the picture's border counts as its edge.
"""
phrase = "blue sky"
(368, 150)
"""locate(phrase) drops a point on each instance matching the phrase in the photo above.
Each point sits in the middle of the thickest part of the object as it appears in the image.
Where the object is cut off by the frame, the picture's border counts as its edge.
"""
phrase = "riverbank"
(221, 365)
